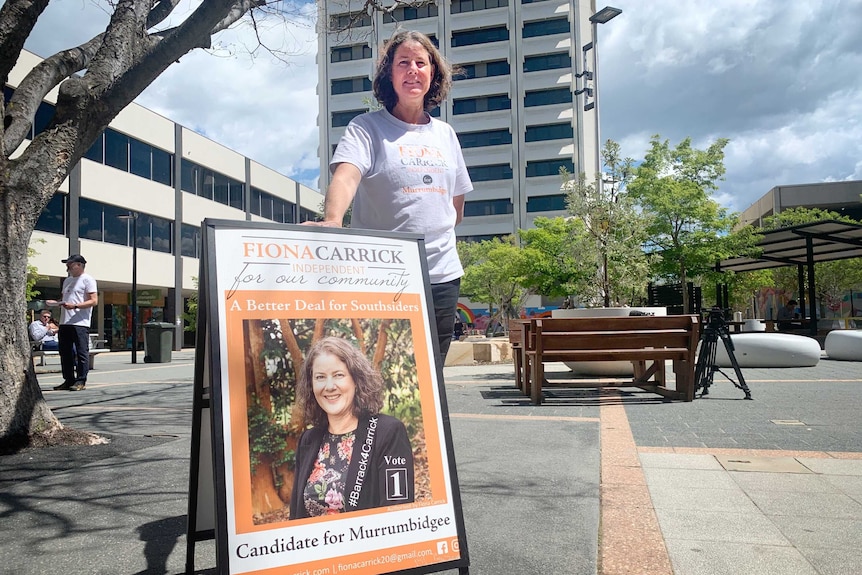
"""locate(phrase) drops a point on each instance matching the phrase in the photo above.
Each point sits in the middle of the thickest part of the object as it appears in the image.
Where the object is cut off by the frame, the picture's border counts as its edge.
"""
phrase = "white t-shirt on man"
(75, 290)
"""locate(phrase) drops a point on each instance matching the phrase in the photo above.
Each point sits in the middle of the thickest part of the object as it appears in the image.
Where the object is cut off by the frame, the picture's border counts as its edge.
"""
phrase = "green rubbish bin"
(158, 342)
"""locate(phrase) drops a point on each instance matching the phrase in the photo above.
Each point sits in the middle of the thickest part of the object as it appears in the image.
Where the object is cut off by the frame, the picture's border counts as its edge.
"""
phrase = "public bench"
(96, 347)
(646, 341)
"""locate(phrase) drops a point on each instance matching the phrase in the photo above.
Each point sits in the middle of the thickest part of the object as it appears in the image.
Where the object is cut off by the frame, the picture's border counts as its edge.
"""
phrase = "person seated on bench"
(44, 330)
(786, 314)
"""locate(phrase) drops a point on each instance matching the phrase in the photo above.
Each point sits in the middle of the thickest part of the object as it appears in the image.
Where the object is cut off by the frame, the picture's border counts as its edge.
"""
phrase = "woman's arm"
(458, 202)
(342, 188)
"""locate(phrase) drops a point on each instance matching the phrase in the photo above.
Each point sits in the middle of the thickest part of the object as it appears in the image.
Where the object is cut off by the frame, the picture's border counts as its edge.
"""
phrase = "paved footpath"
(588, 483)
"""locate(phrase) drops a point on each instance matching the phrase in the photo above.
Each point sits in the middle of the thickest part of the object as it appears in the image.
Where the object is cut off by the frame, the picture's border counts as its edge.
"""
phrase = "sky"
(781, 79)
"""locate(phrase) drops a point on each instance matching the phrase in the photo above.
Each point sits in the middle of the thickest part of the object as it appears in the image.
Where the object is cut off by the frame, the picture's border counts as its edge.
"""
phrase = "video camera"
(715, 315)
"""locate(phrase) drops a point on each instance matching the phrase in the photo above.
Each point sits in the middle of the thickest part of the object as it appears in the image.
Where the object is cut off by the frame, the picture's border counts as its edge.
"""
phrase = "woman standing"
(353, 457)
(404, 170)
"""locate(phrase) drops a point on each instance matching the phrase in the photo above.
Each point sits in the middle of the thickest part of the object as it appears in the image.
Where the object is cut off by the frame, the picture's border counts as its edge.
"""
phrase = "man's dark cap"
(74, 259)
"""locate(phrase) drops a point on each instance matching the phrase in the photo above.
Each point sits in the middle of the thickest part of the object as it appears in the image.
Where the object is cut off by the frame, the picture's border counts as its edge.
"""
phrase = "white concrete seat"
(769, 350)
(844, 344)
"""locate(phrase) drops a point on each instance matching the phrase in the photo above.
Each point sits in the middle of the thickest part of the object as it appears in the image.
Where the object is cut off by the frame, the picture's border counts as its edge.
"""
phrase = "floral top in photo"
(324, 491)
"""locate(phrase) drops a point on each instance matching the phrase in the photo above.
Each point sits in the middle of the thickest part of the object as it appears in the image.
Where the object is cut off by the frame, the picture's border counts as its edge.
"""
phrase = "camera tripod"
(704, 371)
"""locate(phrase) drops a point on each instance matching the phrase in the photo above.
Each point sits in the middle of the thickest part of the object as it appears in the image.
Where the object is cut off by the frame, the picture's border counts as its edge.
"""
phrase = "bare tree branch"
(17, 19)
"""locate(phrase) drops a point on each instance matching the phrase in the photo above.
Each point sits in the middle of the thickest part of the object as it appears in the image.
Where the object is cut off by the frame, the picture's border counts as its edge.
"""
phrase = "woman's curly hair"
(368, 397)
(441, 79)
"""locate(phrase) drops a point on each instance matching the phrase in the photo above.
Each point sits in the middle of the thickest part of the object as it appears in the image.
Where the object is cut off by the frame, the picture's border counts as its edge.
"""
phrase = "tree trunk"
(265, 498)
(23, 410)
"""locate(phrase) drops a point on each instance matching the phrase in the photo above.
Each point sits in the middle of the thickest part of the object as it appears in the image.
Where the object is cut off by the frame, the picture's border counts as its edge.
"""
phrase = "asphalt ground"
(589, 482)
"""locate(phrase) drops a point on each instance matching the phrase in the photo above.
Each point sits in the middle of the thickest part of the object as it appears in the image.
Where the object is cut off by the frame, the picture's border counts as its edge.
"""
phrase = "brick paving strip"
(630, 540)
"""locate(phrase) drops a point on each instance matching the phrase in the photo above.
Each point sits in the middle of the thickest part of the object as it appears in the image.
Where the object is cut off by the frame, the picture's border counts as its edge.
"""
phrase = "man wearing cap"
(79, 298)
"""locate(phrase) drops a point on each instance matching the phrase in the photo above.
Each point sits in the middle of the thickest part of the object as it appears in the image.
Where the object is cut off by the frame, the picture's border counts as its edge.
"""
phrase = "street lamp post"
(133, 216)
(603, 16)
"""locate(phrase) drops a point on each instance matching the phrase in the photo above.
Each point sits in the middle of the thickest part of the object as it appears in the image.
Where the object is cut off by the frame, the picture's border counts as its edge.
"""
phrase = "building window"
(483, 70)
(190, 241)
(460, 6)
(96, 152)
(220, 189)
(547, 62)
(211, 185)
(207, 184)
(141, 160)
(348, 53)
(116, 150)
(340, 119)
(350, 86)
(53, 217)
(350, 20)
(548, 97)
(482, 104)
(490, 172)
(546, 27)
(102, 223)
(485, 138)
(480, 36)
(548, 167)
(306, 215)
(163, 166)
(44, 115)
(487, 208)
(549, 132)
(410, 13)
(271, 207)
(236, 194)
(553, 203)
(154, 233)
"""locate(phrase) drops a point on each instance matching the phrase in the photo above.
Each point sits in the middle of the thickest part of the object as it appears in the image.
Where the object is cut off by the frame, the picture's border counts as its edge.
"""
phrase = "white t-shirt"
(410, 173)
(75, 290)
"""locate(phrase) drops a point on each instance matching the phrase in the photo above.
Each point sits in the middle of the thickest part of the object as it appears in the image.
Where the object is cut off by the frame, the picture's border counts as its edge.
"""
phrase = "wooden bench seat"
(647, 341)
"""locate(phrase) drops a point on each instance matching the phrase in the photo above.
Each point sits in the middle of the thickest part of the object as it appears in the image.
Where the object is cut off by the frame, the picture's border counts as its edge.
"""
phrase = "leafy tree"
(191, 314)
(33, 275)
(551, 253)
(688, 230)
(493, 274)
(615, 231)
(94, 82)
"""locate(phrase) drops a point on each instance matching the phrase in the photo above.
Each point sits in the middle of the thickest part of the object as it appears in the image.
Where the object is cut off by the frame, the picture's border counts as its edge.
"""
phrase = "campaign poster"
(297, 492)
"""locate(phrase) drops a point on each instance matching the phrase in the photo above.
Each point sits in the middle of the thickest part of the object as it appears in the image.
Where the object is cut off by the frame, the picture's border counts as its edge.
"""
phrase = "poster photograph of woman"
(326, 397)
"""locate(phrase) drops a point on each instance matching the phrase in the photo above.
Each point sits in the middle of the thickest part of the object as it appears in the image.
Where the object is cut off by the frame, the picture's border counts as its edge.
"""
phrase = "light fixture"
(605, 15)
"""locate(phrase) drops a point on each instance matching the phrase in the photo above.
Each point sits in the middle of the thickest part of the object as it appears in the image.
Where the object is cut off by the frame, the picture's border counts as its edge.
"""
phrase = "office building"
(841, 197)
(172, 178)
(514, 108)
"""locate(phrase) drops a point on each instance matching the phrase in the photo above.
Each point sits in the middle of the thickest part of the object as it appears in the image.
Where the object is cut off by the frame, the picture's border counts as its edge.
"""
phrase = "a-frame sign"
(267, 294)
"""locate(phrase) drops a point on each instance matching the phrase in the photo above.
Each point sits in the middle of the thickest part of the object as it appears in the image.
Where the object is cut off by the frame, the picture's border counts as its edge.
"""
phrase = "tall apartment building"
(514, 108)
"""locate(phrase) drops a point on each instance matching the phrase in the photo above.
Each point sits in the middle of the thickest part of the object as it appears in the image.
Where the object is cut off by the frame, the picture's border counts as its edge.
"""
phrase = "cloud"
(776, 78)
(236, 93)
(779, 79)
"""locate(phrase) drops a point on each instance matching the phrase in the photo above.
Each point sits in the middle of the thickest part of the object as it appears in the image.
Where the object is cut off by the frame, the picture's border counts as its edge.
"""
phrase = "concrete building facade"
(172, 178)
(513, 107)
(842, 197)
